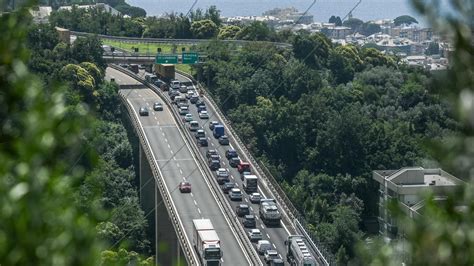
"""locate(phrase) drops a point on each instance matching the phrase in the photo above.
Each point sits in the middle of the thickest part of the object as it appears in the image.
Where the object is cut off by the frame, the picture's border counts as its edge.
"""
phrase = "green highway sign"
(166, 59)
(190, 58)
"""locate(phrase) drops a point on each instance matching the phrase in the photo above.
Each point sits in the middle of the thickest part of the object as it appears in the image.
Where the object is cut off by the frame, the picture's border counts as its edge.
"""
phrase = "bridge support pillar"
(166, 246)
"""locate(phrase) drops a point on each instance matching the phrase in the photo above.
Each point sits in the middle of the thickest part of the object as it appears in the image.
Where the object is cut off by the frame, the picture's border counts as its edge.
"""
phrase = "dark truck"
(218, 131)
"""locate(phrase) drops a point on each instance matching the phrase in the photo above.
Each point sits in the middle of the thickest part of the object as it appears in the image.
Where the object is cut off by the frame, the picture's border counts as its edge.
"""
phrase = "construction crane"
(350, 12)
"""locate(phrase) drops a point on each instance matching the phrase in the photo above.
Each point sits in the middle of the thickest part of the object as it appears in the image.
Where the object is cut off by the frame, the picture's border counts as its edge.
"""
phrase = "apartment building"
(406, 186)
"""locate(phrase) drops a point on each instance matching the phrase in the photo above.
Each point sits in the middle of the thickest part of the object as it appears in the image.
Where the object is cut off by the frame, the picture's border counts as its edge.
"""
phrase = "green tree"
(41, 225)
(313, 49)
(81, 80)
(255, 31)
(353, 23)
(228, 32)
(433, 48)
(336, 20)
(404, 20)
(89, 49)
(204, 29)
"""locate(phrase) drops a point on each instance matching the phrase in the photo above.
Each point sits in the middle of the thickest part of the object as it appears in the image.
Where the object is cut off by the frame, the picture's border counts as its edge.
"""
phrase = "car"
(235, 194)
(234, 161)
(203, 115)
(164, 87)
(183, 88)
(201, 108)
(184, 187)
(214, 157)
(262, 246)
(222, 176)
(194, 99)
(231, 153)
(255, 197)
(141, 66)
(211, 152)
(183, 110)
(143, 111)
(175, 84)
(243, 167)
(200, 134)
(255, 235)
(249, 221)
(270, 255)
(212, 124)
(189, 94)
(188, 118)
(173, 92)
(223, 140)
(158, 106)
(193, 125)
(277, 262)
(214, 164)
(242, 210)
(200, 103)
(202, 142)
(227, 186)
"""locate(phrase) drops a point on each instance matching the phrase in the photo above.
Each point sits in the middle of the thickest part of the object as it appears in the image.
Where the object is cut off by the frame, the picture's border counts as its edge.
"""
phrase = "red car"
(243, 167)
(185, 187)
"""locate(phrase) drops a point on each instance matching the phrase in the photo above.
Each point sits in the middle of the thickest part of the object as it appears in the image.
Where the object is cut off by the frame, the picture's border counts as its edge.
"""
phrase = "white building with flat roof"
(406, 186)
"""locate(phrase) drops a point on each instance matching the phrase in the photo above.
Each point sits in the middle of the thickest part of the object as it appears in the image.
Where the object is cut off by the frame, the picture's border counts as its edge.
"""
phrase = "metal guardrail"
(290, 210)
(176, 41)
(228, 211)
(160, 184)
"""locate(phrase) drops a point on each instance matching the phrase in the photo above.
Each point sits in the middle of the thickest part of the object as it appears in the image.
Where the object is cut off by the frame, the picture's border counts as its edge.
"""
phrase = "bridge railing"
(291, 212)
(176, 41)
(228, 211)
(179, 228)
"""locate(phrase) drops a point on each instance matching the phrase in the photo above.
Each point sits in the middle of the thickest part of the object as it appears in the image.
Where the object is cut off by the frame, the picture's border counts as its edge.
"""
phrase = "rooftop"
(415, 177)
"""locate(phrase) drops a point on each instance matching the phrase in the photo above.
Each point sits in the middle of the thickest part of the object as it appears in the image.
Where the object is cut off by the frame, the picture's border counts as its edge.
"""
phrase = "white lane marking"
(166, 140)
(231, 176)
(169, 147)
(208, 138)
(177, 164)
(156, 118)
(274, 246)
(195, 203)
(199, 211)
(261, 225)
(181, 172)
(268, 236)
(167, 189)
(192, 195)
(223, 163)
(246, 200)
(212, 144)
(251, 208)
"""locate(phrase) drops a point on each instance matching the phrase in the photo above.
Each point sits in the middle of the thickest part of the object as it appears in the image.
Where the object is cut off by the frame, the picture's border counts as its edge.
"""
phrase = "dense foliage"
(108, 182)
(322, 117)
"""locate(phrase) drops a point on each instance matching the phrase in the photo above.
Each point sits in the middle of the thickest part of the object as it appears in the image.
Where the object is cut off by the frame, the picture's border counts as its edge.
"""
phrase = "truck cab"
(250, 183)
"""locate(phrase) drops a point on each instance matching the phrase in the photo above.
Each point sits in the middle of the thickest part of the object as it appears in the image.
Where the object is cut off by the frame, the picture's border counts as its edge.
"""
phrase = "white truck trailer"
(207, 243)
(297, 252)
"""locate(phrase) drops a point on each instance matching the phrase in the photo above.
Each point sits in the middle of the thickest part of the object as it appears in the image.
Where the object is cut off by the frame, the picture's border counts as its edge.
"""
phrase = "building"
(103, 6)
(405, 187)
(41, 14)
(64, 34)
